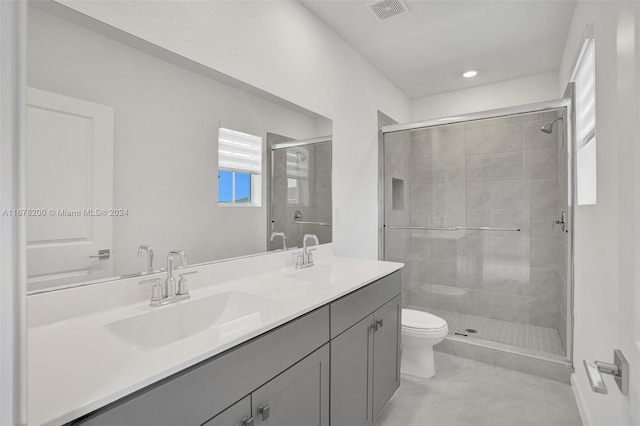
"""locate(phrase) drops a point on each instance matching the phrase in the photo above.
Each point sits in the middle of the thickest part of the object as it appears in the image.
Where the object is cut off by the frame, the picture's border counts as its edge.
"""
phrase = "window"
(584, 77)
(239, 168)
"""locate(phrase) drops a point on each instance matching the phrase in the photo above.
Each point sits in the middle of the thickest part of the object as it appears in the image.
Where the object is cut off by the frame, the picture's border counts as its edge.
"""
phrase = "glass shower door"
(469, 209)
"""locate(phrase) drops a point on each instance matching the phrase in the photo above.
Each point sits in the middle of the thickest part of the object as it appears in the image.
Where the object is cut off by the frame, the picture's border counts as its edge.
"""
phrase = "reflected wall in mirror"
(123, 152)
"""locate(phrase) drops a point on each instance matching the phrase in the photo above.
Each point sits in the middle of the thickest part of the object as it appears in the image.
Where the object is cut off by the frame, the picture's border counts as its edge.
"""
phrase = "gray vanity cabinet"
(338, 365)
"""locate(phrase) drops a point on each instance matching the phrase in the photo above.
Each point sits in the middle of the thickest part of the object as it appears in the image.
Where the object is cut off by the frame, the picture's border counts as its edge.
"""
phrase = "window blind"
(586, 96)
(240, 152)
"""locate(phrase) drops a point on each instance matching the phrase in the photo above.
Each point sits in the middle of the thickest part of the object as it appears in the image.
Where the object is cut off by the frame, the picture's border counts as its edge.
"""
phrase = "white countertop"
(76, 365)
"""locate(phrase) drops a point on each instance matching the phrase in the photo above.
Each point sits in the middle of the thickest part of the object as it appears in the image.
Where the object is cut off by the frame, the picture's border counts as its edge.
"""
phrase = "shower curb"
(559, 370)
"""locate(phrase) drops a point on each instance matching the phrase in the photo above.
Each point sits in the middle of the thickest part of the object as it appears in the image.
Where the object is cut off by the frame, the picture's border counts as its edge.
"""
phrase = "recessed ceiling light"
(470, 74)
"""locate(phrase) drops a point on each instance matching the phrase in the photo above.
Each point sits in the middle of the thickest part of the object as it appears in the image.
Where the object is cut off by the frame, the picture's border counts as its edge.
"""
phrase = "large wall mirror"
(133, 150)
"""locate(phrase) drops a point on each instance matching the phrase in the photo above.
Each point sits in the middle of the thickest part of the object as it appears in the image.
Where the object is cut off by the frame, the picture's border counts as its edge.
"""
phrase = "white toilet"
(420, 332)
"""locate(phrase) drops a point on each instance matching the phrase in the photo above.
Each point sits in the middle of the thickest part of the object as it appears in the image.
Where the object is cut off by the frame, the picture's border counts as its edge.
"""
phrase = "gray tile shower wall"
(502, 173)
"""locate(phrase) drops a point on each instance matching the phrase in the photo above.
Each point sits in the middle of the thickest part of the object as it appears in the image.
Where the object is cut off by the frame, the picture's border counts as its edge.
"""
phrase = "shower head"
(548, 128)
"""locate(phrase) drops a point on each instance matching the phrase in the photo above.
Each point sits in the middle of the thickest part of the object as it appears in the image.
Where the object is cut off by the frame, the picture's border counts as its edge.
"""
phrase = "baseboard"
(582, 406)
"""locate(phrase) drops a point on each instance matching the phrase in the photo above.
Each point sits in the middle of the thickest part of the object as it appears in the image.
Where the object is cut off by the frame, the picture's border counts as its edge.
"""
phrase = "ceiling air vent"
(385, 9)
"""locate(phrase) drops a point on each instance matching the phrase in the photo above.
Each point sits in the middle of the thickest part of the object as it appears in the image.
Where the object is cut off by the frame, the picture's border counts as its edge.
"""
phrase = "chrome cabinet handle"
(265, 411)
(102, 254)
(377, 325)
(247, 421)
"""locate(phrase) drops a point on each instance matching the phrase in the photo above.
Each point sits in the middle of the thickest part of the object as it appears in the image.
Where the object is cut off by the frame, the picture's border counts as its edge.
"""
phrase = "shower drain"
(470, 330)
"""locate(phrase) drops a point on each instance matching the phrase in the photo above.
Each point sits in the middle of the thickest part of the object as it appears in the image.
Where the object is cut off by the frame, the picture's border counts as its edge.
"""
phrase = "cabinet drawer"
(351, 308)
(196, 395)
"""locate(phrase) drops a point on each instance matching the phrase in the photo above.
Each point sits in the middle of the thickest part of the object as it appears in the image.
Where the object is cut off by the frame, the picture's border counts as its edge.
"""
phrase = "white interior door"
(70, 180)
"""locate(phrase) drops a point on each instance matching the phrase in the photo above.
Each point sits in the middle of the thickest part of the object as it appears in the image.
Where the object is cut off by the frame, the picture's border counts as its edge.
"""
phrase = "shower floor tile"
(539, 339)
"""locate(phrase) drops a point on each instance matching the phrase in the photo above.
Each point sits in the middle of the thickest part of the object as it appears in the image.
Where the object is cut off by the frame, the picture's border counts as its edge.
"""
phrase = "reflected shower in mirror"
(299, 189)
(128, 155)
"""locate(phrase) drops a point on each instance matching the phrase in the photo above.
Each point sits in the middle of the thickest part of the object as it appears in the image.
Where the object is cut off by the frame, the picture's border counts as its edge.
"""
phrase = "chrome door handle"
(247, 421)
(102, 254)
(619, 370)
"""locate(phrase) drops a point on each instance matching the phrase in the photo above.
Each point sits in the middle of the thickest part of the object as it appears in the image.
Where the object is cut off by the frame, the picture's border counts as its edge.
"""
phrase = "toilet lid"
(421, 320)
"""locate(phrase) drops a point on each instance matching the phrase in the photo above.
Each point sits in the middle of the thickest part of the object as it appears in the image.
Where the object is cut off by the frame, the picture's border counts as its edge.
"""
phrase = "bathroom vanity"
(318, 346)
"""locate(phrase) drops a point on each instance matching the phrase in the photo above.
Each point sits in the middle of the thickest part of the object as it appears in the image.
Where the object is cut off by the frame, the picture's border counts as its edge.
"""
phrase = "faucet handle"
(156, 290)
(310, 255)
(182, 283)
(299, 259)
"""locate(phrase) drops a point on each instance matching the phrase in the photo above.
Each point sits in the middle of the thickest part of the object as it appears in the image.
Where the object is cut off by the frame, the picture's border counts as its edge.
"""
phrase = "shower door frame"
(565, 104)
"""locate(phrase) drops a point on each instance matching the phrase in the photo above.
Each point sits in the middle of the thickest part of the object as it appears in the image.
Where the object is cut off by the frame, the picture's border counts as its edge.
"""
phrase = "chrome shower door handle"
(562, 221)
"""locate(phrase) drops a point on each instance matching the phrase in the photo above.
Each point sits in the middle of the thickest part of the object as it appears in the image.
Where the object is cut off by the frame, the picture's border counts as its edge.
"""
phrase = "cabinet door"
(352, 375)
(233, 415)
(386, 354)
(298, 396)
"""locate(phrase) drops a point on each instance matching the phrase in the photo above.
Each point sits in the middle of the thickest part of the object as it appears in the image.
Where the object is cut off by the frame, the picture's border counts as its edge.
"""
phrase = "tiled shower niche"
(498, 173)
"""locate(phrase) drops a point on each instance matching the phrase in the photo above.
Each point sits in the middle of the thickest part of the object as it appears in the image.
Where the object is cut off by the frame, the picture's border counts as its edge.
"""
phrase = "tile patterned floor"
(540, 339)
(470, 393)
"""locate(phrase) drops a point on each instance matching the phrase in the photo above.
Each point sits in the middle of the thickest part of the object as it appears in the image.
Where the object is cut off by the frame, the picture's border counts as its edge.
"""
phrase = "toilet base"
(418, 361)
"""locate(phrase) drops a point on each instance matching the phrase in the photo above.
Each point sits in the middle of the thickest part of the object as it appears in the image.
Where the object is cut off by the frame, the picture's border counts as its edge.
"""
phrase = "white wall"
(519, 91)
(606, 235)
(282, 48)
(165, 143)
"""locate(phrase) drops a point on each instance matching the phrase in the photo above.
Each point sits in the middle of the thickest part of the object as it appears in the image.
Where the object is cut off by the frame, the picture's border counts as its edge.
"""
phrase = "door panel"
(386, 354)
(299, 396)
(69, 175)
(352, 375)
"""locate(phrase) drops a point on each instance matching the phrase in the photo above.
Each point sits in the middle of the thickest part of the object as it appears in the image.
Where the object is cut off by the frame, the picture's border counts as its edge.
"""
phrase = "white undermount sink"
(230, 313)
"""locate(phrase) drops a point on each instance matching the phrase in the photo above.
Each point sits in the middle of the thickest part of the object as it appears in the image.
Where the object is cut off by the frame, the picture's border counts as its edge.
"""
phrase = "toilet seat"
(422, 322)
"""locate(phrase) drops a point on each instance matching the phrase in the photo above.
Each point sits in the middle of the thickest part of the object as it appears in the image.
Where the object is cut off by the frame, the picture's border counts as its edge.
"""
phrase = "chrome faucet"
(170, 282)
(149, 250)
(305, 259)
(284, 239)
(163, 295)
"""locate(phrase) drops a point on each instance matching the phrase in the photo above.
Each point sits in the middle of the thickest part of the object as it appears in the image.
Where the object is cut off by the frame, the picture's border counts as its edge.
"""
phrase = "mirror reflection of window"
(239, 168)
(298, 176)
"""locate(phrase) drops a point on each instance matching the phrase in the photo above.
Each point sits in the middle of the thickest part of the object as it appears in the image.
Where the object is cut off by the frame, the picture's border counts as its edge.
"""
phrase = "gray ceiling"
(425, 51)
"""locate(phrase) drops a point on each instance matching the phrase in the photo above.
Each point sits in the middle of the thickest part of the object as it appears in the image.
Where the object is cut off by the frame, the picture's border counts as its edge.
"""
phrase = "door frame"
(13, 299)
